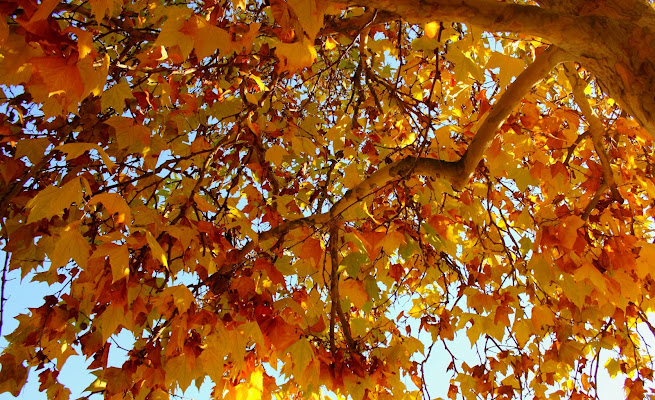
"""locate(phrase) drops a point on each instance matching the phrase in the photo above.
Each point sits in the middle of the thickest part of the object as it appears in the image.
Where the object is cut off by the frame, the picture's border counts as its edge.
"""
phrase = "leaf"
(311, 248)
(13, 374)
(119, 258)
(34, 149)
(295, 56)
(310, 14)
(354, 290)
(115, 205)
(431, 29)
(52, 200)
(157, 252)
(70, 245)
(302, 354)
(96, 386)
(508, 67)
(182, 297)
(59, 76)
(353, 262)
(115, 96)
(74, 150)
(207, 38)
(275, 154)
(104, 8)
(113, 317)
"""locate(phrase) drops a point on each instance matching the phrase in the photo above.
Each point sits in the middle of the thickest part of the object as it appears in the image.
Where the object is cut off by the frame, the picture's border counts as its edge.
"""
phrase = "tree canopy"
(277, 196)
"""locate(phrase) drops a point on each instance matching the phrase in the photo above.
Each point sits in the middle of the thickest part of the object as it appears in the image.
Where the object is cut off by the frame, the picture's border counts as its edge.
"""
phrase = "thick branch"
(489, 15)
(508, 101)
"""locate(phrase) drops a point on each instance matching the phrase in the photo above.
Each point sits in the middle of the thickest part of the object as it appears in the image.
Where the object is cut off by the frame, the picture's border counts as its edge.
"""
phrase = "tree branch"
(489, 15)
(456, 172)
(334, 293)
(596, 127)
(515, 92)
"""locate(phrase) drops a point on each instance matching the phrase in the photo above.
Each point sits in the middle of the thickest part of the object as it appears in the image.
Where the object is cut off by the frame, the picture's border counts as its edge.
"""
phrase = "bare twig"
(2, 290)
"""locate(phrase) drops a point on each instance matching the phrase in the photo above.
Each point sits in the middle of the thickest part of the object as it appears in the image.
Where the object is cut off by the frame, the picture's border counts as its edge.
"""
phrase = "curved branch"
(456, 172)
(508, 101)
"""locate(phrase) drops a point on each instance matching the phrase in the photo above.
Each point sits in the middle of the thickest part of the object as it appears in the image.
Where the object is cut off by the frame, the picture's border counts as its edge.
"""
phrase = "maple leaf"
(308, 186)
(53, 200)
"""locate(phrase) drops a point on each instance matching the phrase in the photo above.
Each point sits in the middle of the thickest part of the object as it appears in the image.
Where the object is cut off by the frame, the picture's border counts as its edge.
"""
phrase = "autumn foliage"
(277, 197)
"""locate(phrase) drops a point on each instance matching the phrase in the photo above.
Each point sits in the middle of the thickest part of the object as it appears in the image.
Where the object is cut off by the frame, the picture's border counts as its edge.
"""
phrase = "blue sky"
(23, 295)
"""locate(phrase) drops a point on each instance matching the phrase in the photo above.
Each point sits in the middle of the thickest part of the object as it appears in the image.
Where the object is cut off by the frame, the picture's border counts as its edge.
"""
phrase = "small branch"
(592, 204)
(334, 281)
(596, 127)
(574, 145)
(334, 292)
(2, 290)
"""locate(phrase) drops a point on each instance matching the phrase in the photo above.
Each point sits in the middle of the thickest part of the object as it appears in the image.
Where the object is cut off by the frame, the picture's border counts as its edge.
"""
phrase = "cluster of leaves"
(247, 187)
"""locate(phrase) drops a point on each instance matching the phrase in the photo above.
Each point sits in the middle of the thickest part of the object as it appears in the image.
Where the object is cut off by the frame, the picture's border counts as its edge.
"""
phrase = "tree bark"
(613, 39)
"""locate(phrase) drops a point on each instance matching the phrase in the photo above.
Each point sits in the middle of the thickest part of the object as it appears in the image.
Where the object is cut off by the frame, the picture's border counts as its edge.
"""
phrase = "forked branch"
(596, 127)
(457, 173)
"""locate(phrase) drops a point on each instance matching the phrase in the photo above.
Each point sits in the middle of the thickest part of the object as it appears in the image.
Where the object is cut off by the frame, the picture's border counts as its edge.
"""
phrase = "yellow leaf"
(157, 252)
(182, 297)
(354, 290)
(104, 8)
(159, 394)
(96, 386)
(465, 66)
(508, 67)
(74, 150)
(94, 77)
(34, 149)
(302, 354)
(542, 316)
(52, 200)
(119, 259)
(71, 244)
(276, 154)
(330, 44)
(115, 204)
(644, 264)
(568, 230)
(202, 204)
(295, 56)
(115, 96)
(310, 14)
(431, 29)
(591, 273)
(180, 371)
(392, 241)
(207, 38)
(113, 317)
(351, 176)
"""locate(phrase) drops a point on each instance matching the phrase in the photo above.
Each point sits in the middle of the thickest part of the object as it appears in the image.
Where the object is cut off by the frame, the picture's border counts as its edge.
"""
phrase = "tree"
(248, 186)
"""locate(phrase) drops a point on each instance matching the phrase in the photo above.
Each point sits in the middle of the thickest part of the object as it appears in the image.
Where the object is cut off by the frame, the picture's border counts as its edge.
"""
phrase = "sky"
(23, 295)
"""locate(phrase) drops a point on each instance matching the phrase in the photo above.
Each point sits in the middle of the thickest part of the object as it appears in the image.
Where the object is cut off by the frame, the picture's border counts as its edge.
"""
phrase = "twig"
(2, 290)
